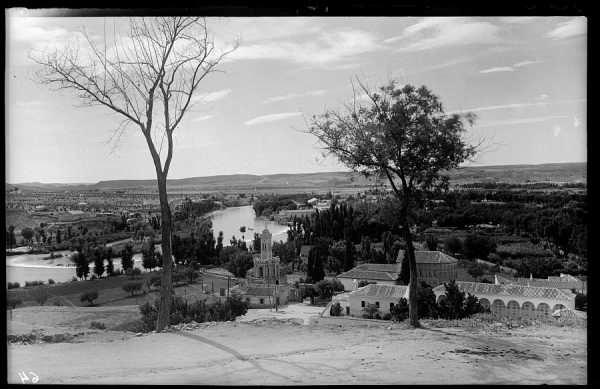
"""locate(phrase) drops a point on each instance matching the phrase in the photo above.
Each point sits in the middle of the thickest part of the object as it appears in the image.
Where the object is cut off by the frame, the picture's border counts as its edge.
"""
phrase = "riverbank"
(277, 351)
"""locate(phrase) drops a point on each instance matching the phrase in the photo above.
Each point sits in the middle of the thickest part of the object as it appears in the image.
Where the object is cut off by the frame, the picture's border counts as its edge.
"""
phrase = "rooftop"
(379, 290)
(387, 267)
(478, 289)
(369, 275)
(428, 257)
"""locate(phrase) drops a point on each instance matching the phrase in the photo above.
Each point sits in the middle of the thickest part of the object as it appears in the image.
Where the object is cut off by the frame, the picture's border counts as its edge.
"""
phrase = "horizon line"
(269, 174)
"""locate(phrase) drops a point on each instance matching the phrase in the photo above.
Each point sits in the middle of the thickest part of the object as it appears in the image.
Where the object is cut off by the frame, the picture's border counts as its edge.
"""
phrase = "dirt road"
(324, 352)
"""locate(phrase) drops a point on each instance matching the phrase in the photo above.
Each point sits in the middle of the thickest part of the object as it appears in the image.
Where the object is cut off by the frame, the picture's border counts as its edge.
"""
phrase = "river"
(229, 220)
(31, 267)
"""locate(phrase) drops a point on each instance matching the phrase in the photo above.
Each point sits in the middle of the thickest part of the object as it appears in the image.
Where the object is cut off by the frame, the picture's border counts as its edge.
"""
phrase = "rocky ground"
(288, 347)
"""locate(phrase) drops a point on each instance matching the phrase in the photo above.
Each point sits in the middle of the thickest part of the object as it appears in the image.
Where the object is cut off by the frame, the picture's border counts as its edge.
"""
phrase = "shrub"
(97, 325)
(580, 302)
(399, 312)
(370, 311)
(51, 281)
(89, 297)
(34, 283)
(13, 302)
(132, 287)
(13, 285)
(74, 279)
(362, 283)
(336, 309)
(93, 277)
(387, 316)
(155, 281)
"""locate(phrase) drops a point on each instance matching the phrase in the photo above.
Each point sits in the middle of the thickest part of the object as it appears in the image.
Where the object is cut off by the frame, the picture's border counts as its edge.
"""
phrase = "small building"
(563, 282)
(266, 285)
(382, 296)
(433, 267)
(372, 272)
(515, 301)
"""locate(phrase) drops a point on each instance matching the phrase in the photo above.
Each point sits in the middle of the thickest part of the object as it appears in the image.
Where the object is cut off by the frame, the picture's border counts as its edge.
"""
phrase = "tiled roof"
(564, 278)
(479, 289)
(539, 282)
(567, 312)
(428, 257)
(253, 290)
(369, 275)
(383, 267)
(379, 290)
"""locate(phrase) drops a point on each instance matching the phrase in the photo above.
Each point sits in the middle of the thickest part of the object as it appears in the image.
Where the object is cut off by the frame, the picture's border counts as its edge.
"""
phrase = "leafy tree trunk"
(412, 265)
(167, 273)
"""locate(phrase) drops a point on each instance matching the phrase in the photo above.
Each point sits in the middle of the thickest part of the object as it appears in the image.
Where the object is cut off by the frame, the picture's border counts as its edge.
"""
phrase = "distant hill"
(555, 172)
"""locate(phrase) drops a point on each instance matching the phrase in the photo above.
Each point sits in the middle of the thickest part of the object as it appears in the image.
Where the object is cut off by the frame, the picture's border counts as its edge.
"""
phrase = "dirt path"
(287, 353)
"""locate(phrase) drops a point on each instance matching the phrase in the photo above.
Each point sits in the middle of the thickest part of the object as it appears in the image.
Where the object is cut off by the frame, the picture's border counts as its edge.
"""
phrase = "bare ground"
(290, 347)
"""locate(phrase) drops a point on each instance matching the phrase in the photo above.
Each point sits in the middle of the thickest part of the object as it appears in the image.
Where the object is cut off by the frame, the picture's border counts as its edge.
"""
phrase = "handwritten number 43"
(24, 377)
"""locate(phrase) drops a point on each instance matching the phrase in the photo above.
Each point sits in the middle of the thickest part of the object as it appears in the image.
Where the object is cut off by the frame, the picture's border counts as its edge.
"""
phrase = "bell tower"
(266, 245)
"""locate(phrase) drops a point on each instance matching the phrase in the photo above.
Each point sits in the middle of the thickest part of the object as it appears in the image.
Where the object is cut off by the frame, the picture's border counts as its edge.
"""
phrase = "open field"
(281, 351)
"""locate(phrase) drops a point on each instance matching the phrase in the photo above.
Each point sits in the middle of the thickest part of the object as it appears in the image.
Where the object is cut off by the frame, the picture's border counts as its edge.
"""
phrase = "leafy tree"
(431, 242)
(164, 64)
(326, 288)
(477, 246)
(149, 256)
(317, 255)
(476, 270)
(127, 257)
(336, 309)
(243, 231)
(256, 242)
(82, 266)
(370, 311)
(426, 302)
(399, 311)
(13, 302)
(110, 267)
(12, 240)
(98, 266)
(453, 245)
(580, 301)
(219, 245)
(132, 287)
(239, 263)
(27, 234)
(401, 134)
(362, 283)
(89, 297)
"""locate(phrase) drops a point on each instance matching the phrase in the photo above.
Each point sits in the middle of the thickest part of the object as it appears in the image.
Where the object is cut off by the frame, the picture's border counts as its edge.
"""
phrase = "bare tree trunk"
(166, 278)
(412, 265)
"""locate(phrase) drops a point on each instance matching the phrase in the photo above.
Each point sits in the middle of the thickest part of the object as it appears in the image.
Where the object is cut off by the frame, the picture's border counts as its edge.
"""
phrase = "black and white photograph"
(309, 199)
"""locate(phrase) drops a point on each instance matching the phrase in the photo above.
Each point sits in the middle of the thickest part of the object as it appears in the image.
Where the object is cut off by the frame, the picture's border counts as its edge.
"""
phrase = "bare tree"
(403, 135)
(161, 61)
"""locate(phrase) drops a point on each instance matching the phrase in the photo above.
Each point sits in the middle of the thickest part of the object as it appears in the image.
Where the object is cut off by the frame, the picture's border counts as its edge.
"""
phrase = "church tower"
(266, 245)
(267, 268)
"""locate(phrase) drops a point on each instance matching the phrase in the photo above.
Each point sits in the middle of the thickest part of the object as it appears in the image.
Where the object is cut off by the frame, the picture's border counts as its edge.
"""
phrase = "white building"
(516, 301)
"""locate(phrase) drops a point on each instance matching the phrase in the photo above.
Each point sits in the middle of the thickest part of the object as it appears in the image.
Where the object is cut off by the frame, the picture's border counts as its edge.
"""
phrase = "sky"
(524, 77)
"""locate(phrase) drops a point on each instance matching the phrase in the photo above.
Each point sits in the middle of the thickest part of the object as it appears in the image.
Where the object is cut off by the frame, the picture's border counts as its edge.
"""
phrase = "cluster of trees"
(323, 290)
(527, 185)
(270, 204)
(183, 311)
(191, 210)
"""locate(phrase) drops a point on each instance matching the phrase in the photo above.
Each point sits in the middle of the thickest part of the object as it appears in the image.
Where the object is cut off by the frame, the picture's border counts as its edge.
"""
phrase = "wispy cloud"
(318, 92)
(577, 26)
(556, 130)
(525, 63)
(323, 48)
(517, 105)
(521, 64)
(498, 69)
(201, 118)
(445, 31)
(508, 122)
(210, 96)
(271, 118)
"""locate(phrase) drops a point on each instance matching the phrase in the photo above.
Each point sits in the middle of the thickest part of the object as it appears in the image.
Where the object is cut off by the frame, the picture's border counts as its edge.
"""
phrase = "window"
(347, 310)
(362, 304)
(262, 301)
(377, 304)
(391, 305)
